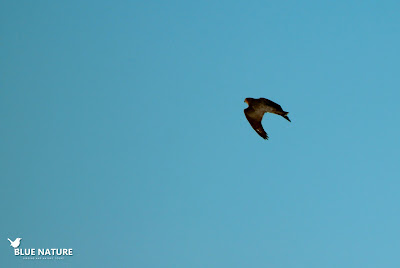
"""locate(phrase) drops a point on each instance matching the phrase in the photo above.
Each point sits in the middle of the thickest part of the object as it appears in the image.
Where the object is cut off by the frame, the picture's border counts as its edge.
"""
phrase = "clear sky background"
(122, 133)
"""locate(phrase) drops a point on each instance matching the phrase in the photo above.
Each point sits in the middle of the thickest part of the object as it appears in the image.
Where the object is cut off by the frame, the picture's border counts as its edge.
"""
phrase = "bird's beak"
(245, 100)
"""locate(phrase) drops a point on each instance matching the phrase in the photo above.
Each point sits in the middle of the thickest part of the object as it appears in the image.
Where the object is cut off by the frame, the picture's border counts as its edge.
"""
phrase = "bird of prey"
(15, 243)
(256, 110)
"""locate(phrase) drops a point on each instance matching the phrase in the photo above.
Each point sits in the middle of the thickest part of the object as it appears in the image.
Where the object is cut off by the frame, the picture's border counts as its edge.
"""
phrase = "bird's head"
(19, 239)
(248, 100)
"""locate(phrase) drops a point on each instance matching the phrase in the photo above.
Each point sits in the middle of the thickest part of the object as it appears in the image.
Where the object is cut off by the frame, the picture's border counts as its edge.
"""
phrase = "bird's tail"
(284, 115)
(9, 240)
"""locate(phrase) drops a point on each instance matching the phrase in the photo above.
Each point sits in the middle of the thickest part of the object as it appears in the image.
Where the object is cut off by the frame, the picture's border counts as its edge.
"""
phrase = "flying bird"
(15, 243)
(256, 110)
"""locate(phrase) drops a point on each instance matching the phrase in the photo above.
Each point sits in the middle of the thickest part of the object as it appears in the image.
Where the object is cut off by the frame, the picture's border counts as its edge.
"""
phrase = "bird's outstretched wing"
(271, 103)
(278, 108)
(254, 119)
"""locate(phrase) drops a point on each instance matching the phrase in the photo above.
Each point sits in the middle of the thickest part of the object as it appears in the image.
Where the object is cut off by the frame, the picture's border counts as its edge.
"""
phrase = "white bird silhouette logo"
(15, 243)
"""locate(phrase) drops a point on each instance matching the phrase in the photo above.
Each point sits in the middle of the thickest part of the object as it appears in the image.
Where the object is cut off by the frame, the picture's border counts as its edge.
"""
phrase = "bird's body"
(15, 243)
(256, 110)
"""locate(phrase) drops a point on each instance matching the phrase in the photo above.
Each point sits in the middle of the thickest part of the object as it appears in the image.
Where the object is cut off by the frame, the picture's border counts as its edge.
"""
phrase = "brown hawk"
(256, 110)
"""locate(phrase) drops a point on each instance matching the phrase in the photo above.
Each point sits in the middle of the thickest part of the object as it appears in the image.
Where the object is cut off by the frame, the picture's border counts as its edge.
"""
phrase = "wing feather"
(272, 104)
(254, 119)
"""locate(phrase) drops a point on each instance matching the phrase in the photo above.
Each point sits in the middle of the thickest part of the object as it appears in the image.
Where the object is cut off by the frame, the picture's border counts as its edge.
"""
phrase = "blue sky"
(123, 134)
